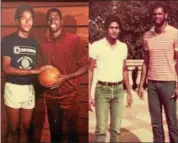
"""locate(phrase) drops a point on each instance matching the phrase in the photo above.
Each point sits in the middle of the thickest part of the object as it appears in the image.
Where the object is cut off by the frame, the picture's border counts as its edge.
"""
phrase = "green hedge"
(135, 18)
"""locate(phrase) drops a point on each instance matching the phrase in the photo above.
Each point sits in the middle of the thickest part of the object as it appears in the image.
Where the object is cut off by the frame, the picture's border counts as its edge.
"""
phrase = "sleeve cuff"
(176, 49)
(93, 57)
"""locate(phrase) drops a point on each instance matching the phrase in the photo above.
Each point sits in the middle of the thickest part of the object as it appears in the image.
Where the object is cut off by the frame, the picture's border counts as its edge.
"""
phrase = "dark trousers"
(63, 122)
(159, 95)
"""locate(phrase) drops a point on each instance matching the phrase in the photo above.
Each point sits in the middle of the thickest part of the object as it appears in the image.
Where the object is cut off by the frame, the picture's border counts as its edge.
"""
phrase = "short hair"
(53, 10)
(21, 9)
(159, 5)
(110, 19)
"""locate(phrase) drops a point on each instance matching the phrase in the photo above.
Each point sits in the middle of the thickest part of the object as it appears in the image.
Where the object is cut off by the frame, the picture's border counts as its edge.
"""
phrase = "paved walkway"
(135, 123)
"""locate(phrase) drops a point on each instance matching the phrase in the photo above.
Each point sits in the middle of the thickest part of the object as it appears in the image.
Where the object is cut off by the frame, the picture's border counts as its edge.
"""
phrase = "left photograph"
(44, 72)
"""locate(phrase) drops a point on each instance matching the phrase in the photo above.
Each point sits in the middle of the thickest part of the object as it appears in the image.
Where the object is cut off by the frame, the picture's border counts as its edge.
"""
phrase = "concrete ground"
(136, 125)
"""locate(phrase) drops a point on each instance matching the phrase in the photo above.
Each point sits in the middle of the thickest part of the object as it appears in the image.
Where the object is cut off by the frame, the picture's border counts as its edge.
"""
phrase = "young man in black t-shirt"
(19, 53)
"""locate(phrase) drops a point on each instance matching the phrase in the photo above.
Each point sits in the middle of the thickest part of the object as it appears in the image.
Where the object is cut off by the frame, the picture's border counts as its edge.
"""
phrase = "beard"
(160, 24)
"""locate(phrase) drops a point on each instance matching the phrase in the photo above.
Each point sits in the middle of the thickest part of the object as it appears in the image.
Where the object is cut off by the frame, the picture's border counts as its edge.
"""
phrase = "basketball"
(48, 77)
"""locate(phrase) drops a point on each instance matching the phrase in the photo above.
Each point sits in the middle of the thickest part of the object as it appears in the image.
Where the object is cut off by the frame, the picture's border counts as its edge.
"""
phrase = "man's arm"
(91, 73)
(175, 94)
(126, 82)
(8, 69)
(144, 68)
(126, 79)
(81, 71)
(176, 52)
(176, 55)
(143, 73)
(81, 59)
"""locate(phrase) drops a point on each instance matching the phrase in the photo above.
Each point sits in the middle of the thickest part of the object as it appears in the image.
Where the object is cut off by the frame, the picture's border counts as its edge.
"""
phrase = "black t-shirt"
(23, 53)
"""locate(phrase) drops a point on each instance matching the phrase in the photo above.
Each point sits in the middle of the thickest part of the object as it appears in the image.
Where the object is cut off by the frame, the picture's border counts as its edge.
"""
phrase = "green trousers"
(108, 98)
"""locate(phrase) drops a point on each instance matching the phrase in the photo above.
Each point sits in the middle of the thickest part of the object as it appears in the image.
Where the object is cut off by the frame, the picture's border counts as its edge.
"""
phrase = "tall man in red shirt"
(161, 45)
(64, 51)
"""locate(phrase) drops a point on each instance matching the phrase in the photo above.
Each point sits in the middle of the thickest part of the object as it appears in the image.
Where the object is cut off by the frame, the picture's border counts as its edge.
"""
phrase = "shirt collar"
(106, 42)
(165, 29)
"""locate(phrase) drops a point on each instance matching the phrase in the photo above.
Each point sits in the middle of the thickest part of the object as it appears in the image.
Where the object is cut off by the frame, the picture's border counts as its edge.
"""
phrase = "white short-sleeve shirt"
(109, 60)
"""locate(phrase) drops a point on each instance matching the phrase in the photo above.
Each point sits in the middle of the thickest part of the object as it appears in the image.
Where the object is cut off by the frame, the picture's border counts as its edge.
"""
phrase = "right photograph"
(133, 71)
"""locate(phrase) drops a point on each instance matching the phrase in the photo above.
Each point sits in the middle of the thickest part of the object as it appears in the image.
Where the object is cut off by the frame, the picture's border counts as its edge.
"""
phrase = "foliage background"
(135, 18)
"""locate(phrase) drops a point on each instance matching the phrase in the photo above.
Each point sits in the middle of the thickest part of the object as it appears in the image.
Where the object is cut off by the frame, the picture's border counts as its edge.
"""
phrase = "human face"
(25, 22)
(113, 30)
(54, 22)
(159, 16)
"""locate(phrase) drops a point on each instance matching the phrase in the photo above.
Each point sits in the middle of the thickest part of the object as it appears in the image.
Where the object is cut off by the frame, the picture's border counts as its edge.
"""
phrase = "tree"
(135, 18)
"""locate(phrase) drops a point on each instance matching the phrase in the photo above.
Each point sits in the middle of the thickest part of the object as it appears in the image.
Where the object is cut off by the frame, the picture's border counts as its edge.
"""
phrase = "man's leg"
(55, 118)
(25, 122)
(12, 103)
(26, 113)
(13, 116)
(155, 108)
(102, 103)
(116, 112)
(71, 117)
(165, 92)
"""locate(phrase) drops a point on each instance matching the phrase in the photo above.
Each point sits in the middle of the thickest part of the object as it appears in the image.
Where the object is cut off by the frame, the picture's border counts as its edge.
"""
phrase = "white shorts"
(19, 96)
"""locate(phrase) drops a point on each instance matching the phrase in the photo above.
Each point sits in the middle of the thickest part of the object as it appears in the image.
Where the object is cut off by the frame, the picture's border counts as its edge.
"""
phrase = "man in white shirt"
(109, 55)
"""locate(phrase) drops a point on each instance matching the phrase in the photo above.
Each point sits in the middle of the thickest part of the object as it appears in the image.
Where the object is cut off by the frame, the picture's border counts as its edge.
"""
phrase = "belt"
(109, 83)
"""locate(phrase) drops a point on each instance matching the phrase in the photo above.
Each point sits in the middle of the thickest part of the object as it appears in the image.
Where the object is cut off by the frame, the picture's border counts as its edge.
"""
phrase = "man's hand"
(91, 103)
(140, 92)
(60, 80)
(54, 86)
(129, 100)
(175, 94)
(42, 68)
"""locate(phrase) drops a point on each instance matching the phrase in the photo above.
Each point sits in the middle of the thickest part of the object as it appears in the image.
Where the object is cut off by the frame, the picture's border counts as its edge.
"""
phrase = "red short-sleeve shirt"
(67, 53)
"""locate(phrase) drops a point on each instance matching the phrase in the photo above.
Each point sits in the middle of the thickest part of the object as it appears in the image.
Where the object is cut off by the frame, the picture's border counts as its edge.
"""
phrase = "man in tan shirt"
(161, 45)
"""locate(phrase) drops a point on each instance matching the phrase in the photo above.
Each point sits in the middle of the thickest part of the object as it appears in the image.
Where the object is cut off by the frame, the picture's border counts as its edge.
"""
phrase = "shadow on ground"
(126, 136)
